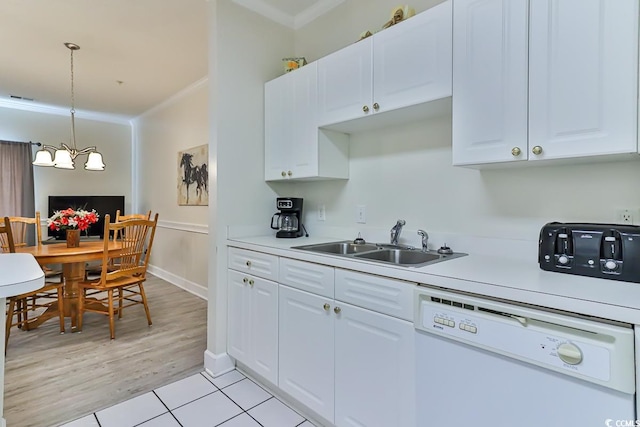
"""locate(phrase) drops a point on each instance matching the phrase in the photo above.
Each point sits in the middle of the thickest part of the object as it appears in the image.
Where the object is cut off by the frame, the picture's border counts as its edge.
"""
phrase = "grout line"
(221, 391)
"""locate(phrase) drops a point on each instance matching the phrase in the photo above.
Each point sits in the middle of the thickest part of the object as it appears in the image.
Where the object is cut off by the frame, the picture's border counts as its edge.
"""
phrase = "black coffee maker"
(288, 221)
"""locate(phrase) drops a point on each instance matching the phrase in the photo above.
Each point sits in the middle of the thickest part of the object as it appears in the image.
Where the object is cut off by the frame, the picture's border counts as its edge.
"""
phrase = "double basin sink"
(385, 253)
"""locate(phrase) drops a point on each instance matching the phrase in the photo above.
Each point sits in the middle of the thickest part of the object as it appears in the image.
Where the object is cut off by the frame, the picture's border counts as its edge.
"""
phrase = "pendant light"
(65, 156)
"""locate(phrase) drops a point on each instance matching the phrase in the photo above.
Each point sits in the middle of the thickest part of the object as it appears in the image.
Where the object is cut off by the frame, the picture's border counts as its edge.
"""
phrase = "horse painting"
(193, 176)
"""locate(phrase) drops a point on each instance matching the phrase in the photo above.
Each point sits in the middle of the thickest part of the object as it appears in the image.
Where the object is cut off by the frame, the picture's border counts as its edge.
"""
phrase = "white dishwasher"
(484, 362)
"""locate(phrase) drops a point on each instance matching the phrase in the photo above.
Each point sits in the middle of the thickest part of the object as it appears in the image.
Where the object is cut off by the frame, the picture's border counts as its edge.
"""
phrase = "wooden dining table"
(73, 262)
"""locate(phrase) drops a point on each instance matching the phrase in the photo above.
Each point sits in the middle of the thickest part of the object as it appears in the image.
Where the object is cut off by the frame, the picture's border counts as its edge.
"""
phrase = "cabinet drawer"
(388, 296)
(314, 278)
(255, 263)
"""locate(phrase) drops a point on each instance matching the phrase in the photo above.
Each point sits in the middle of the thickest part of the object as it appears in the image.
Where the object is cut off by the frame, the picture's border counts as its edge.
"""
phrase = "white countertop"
(19, 273)
(506, 278)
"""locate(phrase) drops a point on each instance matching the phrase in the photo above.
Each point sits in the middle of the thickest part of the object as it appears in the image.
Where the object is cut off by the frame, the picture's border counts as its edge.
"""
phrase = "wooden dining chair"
(126, 276)
(20, 227)
(93, 268)
(131, 216)
(6, 236)
(18, 307)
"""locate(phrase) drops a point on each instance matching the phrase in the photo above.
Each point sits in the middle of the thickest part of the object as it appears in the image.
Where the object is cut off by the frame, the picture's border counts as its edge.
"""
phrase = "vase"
(73, 238)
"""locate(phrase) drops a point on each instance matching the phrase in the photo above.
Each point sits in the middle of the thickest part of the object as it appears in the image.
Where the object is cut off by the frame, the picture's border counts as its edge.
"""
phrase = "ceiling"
(133, 54)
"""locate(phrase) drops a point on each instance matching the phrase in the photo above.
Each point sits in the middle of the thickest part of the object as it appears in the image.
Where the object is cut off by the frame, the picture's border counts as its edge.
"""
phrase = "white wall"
(245, 50)
(181, 243)
(112, 138)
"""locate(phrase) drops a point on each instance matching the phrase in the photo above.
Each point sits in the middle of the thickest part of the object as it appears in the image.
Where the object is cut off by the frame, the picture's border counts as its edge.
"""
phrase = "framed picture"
(193, 176)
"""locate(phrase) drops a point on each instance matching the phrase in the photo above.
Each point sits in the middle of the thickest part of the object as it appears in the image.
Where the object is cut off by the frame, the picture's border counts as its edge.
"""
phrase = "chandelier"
(64, 156)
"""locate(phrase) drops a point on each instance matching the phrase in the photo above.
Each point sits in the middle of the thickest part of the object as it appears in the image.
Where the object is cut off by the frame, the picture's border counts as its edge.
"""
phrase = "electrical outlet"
(322, 213)
(361, 214)
(624, 216)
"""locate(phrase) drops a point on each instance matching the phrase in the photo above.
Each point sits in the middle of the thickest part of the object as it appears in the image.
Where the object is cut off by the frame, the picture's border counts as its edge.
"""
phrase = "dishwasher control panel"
(585, 351)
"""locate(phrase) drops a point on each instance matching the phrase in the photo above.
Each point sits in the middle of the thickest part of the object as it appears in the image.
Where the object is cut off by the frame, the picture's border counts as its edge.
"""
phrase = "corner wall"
(181, 242)
(245, 51)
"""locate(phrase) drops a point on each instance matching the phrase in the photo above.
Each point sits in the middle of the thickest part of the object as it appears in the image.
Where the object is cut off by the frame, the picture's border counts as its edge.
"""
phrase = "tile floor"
(230, 400)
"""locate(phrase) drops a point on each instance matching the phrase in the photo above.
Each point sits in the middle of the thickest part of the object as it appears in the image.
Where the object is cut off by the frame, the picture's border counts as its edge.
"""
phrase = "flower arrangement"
(70, 219)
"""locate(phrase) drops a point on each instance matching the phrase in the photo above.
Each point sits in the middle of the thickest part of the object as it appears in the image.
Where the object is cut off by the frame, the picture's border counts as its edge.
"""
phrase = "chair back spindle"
(6, 236)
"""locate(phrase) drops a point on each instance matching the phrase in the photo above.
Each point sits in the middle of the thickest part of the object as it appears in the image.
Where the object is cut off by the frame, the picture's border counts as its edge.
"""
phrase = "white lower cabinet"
(374, 369)
(306, 349)
(252, 337)
(350, 365)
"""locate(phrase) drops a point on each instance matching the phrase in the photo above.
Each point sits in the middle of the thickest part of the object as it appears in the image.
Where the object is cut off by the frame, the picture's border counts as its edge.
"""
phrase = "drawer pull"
(326, 306)
(337, 310)
(245, 280)
(251, 282)
(248, 263)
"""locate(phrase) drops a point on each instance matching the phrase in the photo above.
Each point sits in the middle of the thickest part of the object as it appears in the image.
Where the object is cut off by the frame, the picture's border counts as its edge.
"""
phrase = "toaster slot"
(611, 252)
(564, 247)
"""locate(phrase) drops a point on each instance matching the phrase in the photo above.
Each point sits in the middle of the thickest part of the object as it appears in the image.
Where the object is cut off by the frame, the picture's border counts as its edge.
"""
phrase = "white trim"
(175, 97)
(184, 226)
(218, 364)
(315, 11)
(61, 111)
(295, 22)
(189, 286)
(268, 11)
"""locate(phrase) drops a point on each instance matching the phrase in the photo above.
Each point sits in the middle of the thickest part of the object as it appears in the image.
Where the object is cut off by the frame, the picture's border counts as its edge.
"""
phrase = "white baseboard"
(218, 364)
(181, 282)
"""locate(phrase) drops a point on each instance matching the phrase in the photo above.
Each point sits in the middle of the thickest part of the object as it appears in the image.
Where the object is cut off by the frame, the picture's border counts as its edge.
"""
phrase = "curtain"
(17, 196)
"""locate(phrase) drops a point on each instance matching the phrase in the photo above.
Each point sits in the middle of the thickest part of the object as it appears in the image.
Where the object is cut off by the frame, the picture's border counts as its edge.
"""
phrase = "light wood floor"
(51, 379)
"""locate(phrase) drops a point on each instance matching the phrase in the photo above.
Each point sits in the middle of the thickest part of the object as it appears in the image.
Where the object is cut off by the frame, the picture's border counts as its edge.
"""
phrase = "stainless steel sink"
(401, 256)
(385, 253)
(340, 248)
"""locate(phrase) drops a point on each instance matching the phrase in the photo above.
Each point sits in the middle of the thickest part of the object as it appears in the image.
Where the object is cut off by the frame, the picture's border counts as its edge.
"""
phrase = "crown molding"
(267, 11)
(294, 22)
(61, 111)
(314, 12)
(175, 97)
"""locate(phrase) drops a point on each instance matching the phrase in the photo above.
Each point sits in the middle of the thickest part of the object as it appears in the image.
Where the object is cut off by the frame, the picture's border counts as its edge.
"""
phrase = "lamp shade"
(94, 162)
(43, 158)
(63, 160)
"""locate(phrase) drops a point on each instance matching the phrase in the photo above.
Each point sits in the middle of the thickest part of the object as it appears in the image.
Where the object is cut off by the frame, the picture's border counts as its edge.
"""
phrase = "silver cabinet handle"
(326, 306)
(248, 263)
(337, 310)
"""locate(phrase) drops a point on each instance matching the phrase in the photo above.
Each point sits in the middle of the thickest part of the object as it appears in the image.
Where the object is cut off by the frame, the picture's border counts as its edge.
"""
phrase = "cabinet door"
(345, 83)
(583, 77)
(304, 146)
(238, 319)
(278, 130)
(306, 349)
(412, 60)
(375, 369)
(490, 39)
(264, 328)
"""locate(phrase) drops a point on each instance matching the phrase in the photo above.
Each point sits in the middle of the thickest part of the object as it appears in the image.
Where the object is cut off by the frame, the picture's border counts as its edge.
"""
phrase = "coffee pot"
(288, 220)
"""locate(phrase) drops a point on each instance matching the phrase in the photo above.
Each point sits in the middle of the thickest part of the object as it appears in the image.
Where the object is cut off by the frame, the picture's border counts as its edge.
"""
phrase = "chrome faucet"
(396, 230)
(425, 240)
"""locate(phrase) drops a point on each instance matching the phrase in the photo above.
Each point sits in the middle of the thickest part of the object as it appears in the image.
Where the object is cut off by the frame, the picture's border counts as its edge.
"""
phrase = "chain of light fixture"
(65, 156)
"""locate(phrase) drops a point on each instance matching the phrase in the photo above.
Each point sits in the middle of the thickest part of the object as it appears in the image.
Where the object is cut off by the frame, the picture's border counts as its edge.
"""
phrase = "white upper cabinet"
(583, 77)
(294, 147)
(404, 65)
(490, 70)
(412, 60)
(544, 79)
